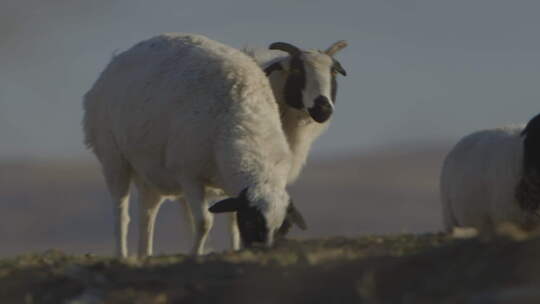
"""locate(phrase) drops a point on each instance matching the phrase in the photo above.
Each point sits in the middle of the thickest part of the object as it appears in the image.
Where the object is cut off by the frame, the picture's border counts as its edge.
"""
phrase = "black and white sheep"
(491, 177)
(305, 86)
(181, 116)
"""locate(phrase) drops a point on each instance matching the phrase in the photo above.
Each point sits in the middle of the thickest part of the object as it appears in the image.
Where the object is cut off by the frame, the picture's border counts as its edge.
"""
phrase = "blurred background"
(421, 74)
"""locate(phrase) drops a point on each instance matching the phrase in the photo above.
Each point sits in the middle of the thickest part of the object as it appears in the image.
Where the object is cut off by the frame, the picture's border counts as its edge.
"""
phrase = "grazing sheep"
(183, 116)
(491, 177)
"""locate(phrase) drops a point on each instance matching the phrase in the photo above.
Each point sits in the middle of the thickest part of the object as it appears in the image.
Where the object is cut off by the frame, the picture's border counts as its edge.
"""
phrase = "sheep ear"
(232, 204)
(339, 68)
(295, 216)
(226, 205)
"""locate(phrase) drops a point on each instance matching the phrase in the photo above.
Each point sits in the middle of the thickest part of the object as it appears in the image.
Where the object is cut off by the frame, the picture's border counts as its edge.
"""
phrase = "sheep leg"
(189, 221)
(118, 178)
(203, 219)
(449, 219)
(235, 233)
(150, 201)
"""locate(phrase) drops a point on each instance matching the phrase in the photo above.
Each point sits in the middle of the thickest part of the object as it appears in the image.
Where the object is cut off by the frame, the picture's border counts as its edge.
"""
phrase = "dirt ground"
(407, 268)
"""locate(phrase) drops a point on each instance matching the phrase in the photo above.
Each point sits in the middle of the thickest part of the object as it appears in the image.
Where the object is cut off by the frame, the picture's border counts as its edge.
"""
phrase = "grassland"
(428, 268)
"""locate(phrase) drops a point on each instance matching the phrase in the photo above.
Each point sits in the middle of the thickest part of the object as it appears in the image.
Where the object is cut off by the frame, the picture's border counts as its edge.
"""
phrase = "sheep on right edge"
(492, 177)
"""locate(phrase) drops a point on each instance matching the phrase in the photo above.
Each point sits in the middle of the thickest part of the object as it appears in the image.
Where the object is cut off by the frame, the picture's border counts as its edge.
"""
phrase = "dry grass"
(429, 268)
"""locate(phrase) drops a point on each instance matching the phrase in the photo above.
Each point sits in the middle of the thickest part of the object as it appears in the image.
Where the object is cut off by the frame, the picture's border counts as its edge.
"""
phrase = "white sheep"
(181, 115)
(305, 86)
(492, 177)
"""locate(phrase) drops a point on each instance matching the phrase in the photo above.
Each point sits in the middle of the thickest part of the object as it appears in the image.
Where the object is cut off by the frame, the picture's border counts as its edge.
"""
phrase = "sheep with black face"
(309, 78)
(249, 219)
(491, 177)
(303, 81)
(299, 79)
(305, 86)
(183, 116)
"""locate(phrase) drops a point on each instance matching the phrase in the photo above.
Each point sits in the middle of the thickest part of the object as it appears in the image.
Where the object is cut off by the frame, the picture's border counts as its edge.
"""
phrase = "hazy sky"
(426, 70)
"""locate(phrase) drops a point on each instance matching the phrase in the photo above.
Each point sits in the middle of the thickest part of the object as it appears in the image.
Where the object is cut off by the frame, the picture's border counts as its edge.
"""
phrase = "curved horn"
(336, 47)
(286, 47)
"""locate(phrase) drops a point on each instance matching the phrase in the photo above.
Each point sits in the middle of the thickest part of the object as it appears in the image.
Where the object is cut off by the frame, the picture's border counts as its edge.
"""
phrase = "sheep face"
(531, 144)
(256, 226)
(310, 82)
(527, 191)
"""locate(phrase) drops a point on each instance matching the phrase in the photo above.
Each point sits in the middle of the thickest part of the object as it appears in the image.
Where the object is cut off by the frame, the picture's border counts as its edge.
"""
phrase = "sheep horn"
(286, 47)
(336, 47)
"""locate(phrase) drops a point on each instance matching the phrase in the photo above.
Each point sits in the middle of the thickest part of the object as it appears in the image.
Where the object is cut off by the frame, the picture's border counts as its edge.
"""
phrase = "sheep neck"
(300, 131)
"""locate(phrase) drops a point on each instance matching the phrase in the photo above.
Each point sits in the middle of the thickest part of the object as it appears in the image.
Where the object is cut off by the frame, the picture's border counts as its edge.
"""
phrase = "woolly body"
(479, 179)
(181, 115)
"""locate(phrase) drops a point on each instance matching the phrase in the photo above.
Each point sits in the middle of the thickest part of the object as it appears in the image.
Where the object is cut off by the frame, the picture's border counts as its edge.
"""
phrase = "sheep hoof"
(464, 232)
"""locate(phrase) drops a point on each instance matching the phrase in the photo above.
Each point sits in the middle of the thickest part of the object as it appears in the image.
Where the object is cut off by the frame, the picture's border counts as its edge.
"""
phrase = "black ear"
(338, 68)
(227, 205)
(232, 204)
(276, 66)
(295, 216)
